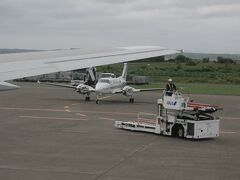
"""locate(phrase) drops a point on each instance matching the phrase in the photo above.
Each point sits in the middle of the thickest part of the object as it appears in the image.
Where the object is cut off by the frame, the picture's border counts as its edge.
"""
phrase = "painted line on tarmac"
(105, 97)
(55, 170)
(61, 110)
(75, 131)
(66, 108)
(74, 104)
(32, 109)
(228, 132)
(52, 118)
(79, 114)
(109, 119)
(113, 113)
(231, 118)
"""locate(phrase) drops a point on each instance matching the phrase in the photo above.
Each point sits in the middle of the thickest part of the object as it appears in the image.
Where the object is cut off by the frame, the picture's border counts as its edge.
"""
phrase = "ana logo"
(171, 103)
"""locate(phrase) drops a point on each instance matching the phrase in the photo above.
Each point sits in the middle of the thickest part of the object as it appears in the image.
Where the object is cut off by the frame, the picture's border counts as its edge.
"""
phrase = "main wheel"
(97, 101)
(131, 100)
(180, 132)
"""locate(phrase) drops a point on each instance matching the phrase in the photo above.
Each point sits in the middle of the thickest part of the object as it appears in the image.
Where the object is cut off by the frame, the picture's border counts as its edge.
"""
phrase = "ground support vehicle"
(177, 116)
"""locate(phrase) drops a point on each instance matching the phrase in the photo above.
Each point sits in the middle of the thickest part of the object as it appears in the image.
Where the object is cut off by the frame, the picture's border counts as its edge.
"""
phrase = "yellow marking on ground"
(109, 119)
(52, 118)
(105, 97)
(66, 107)
(61, 110)
(67, 110)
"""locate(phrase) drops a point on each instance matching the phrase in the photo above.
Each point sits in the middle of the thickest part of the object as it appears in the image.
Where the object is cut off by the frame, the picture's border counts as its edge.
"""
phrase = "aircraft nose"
(98, 88)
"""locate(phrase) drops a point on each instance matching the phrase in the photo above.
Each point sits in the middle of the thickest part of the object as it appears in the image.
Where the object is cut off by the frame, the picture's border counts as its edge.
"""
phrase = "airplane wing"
(61, 85)
(148, 89)
(19, 65)
(128, 90)
(81, 88)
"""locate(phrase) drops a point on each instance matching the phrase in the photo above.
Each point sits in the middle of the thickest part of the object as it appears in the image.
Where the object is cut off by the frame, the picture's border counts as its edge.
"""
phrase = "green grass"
(200, 88)
(213, 73)
(202, 78)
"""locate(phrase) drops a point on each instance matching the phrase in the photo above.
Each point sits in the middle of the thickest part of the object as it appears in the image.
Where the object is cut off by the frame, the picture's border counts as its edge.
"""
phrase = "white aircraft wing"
(130, 90)
(19, 65)
(81, 88)
(61, 85)
(148, 89)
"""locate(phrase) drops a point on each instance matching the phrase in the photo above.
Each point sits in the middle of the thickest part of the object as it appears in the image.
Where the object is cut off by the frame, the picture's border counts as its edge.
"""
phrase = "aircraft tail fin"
(91, 77)
(124, 73)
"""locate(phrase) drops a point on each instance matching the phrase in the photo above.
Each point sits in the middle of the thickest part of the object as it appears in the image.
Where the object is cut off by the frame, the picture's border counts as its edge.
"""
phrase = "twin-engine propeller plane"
(19, 65)
(108, 86)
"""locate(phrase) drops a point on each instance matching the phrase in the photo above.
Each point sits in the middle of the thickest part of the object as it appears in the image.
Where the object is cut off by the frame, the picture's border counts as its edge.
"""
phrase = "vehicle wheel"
(131, 100)
(97, 101)
(86, 98)
(180, 132)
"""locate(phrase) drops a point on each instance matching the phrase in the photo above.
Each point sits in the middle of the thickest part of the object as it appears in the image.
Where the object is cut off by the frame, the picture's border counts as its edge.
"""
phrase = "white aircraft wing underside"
(13, 66)
(19, 65)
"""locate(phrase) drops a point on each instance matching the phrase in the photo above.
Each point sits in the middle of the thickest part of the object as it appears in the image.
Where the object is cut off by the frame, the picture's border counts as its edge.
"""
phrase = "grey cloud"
(187, 24)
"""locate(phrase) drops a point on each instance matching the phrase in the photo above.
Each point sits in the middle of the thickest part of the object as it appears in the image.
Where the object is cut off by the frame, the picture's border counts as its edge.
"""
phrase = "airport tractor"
(177, 116)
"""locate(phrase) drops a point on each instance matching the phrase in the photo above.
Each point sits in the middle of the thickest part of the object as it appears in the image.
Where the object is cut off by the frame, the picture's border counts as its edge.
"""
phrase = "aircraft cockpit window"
(105, 81)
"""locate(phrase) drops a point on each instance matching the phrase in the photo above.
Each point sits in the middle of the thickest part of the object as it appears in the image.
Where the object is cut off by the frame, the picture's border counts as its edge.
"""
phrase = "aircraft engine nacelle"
(82, 89)
(128, 91)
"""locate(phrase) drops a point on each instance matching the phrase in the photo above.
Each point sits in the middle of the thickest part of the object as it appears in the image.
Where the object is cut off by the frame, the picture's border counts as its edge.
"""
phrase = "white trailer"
(177, 117)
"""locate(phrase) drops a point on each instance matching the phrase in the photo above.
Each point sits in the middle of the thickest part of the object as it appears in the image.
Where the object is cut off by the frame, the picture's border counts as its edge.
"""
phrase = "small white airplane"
(19, 65)
(108, 86)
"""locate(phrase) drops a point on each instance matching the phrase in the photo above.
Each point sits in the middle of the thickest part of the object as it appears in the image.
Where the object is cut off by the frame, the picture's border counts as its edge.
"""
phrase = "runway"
(52, 133)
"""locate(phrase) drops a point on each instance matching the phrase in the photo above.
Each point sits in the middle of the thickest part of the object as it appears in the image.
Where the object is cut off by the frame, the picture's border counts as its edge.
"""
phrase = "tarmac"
(51, 133)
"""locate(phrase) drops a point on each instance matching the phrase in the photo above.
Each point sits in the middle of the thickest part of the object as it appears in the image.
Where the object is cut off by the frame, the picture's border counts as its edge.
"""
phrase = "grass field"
(201, 78)
(200, 88)
(213, 73)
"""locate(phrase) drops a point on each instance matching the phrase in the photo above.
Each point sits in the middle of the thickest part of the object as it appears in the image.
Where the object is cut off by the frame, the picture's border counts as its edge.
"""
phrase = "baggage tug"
(177, 116)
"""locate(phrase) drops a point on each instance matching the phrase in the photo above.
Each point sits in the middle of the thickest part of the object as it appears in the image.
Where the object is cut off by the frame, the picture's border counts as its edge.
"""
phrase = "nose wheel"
(87, 98)
(97, 100)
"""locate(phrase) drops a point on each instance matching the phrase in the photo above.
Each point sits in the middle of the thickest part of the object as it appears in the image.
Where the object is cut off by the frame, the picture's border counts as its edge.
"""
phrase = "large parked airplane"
(108, 86)
(19, 65)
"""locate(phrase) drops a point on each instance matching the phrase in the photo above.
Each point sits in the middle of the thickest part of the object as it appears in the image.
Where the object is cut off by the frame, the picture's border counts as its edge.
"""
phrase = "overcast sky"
(192, 25)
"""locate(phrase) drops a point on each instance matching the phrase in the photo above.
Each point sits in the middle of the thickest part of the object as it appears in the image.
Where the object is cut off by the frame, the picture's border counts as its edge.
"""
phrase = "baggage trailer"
(177, 117)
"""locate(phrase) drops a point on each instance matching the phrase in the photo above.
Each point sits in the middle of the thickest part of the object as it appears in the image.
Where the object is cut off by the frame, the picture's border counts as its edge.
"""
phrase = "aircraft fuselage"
(110, 85)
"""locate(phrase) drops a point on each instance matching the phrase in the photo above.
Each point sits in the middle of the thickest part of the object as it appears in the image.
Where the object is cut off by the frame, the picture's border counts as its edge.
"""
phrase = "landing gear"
(131, 100)
(97, 100)
(180, 132)
(87, 98)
